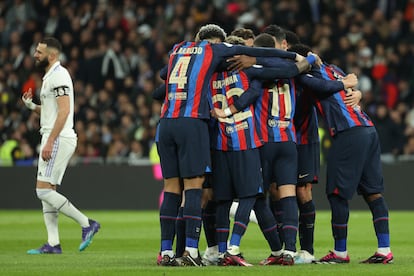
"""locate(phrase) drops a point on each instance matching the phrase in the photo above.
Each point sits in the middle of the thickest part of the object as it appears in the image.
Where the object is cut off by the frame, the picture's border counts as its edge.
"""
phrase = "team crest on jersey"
(229, 129)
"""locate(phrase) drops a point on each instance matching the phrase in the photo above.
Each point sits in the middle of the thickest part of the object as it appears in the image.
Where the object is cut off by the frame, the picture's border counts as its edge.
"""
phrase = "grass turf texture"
(128, 243)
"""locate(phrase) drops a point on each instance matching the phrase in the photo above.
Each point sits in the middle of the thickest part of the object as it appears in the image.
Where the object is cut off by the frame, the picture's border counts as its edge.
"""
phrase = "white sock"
(384, 250)
(62, 204)
(291, 253)
(252, 216)
(341, 254)
(277, 253)
(234, 250)
(170, 253)
(212, 250)
(193, 251)
(233, 209)
(50, 216)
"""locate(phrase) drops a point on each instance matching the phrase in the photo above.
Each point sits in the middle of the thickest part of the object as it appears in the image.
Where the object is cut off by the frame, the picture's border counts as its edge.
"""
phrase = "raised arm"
(228, 50)
(322, 86)
(27, 99)
(240, 62)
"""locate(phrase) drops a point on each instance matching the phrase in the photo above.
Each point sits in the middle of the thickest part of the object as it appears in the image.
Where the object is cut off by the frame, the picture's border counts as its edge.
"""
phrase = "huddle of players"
(260, 115)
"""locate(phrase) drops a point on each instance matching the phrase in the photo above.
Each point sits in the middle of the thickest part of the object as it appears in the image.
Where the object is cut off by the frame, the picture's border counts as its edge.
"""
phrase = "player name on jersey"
(218, 84)
(188, 51)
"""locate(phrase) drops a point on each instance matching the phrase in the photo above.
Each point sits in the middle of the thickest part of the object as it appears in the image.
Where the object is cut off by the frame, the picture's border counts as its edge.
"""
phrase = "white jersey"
(56, 82)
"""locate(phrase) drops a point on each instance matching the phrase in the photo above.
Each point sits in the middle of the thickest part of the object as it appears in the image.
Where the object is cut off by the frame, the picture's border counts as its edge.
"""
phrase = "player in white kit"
(57, 146)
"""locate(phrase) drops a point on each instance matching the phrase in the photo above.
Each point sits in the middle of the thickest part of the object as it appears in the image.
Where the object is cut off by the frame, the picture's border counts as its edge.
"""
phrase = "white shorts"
(53, 170)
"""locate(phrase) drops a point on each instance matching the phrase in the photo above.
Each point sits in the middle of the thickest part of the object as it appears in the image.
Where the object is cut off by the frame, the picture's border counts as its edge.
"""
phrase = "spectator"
(119, 46)
(388, 131)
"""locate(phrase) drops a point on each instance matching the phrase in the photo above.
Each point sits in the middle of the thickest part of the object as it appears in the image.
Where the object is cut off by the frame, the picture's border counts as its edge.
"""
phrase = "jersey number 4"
(179, 72)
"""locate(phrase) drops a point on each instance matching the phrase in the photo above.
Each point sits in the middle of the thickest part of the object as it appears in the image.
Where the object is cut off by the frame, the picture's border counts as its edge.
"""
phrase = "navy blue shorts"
(236, 174)
(279, 163)
(354, 163)
(184, 147)
(308, 163)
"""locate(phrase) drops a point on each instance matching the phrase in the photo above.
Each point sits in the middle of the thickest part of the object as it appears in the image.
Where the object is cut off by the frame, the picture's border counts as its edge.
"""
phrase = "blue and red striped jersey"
(189, 71)
(274, 111)
(306, 118)
(237, 132)
(188, 74)
(333, 109)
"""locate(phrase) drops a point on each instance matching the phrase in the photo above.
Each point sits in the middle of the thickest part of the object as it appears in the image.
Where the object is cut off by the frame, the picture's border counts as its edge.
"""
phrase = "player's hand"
(350, 81)
(27, 100)
(47, 151)
(353, 97)
(318, 61)
(299, 57)
(217, 113)
(240, 62)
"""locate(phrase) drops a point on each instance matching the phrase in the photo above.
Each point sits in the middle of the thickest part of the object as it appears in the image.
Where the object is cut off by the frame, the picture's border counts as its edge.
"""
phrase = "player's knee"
(371, 197)
(303, 194)
(42, 193)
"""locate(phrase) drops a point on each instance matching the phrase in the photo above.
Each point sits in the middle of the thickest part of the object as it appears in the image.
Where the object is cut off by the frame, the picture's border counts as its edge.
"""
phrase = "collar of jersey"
(56, 64)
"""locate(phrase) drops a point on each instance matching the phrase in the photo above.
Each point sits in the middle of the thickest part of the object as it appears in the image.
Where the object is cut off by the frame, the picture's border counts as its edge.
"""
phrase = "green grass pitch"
(128, 243)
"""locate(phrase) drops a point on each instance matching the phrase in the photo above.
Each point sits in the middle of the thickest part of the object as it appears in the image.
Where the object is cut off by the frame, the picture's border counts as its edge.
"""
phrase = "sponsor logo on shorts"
(303, 175)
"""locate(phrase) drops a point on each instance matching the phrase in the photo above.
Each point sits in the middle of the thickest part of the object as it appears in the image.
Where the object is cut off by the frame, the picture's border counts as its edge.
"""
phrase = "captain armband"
(61, 91)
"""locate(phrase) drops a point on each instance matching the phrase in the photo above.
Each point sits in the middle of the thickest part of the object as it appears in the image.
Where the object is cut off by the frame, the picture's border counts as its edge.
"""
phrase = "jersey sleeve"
(249, 96)
(61, 83)
(164, 72)
(320, 86)
(279, 69)
(227, 50)
(159, 93)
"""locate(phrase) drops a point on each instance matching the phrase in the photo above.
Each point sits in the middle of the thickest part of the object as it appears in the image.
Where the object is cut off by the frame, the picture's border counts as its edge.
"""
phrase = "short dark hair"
(264, 40)
(301, 49)
(276, 31)
(292, 38)
(52, 42)
(243, 33)
(210, 31)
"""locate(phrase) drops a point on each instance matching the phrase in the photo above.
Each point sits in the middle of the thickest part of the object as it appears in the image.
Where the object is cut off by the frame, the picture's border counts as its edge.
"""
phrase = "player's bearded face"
(42, 63)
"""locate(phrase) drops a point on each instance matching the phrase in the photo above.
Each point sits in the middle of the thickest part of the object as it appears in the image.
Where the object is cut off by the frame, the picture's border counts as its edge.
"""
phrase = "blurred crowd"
(115, 49)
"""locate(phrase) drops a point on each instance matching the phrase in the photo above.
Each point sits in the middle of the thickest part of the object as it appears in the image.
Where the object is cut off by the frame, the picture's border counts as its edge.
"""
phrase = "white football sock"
(384, 250)
(277, 253)
(341, 254)
(233, 210)
(234, 250)
(62, 204)
(192, 251)
(291, 253)
(50, 216)
(252, 217)
(170, 253)
(211, 250)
